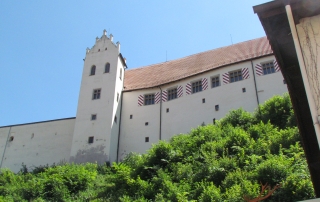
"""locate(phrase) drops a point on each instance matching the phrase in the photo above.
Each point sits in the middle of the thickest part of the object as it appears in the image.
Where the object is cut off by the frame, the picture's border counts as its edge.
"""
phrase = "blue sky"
(43, 43)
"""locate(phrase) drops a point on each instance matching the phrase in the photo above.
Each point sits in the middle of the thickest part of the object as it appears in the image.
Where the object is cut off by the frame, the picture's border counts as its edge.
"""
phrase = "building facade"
(122, 111)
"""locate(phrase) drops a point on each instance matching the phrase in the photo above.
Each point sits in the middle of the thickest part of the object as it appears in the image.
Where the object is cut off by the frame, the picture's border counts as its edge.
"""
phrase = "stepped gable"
(166, 72)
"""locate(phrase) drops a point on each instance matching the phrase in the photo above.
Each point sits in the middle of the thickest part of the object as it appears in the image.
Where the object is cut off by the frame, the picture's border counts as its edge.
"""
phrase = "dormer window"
(107, 68)
(93, 70)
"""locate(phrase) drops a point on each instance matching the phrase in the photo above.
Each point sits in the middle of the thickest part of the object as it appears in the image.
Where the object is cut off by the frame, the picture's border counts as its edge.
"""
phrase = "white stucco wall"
(36, 143)
(189, 111)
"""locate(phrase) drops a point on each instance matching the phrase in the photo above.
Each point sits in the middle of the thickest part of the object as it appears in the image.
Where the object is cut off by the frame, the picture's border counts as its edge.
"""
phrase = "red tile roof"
(166, 72)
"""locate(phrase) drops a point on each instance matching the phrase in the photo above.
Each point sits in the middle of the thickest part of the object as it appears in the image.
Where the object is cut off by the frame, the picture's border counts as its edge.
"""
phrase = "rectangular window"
(268, 68)
(120, 74)
(90, 139)
(215, 82)
(149, 99)
(146, 139)
(93, 117)
(196, 86)
(96, 94)
(115, 119)
(131, 116)
(172, 94)
(235, 76)
(117, 97)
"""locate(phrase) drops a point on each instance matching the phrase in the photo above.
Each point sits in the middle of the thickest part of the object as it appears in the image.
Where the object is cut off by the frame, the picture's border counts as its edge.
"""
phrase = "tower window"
(96, 94)
(90, 139)
(107, 68)
(93, 70)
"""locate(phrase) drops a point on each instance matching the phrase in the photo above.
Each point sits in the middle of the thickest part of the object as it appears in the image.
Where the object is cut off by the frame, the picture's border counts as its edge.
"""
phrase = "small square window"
(90, 139)
(167, 110)
(216, 107)
(146, 139)
(284, 81)
(115, 119)
(131, 116)
(243, 90)
(203, 100)
(93, 117)
(11, 138)
(146, 123)
(96, 94)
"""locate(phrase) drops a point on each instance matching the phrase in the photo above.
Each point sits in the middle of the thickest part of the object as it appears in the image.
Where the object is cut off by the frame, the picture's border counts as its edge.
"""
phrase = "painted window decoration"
(107, 68)
(197, 86)
(93, 70)
(215, 81)
(149, 99)
(236, 75)
(267, 68)
(172, 93)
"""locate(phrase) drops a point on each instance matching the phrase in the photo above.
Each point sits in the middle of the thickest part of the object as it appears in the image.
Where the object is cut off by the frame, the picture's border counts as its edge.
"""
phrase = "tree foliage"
(221, 162)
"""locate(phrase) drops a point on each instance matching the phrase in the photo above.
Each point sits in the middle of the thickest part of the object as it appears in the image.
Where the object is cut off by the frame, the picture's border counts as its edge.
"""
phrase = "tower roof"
(170, 71)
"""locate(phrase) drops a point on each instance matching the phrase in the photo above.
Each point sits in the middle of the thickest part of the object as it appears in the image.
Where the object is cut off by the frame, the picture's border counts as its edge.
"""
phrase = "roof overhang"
(274, 20)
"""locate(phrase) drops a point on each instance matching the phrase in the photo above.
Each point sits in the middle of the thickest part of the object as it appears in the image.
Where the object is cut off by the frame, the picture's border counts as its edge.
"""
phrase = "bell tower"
(95, 137)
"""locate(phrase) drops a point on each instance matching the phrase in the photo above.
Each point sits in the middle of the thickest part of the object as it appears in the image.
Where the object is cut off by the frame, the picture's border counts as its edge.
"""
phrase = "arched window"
(107, 68)
(93, 70)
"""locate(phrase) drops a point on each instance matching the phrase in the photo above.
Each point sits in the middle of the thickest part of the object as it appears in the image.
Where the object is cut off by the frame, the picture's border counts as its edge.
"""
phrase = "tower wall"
(92, 138)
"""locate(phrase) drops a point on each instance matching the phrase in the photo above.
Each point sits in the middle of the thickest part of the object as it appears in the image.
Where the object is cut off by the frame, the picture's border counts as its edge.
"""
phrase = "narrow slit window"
(107, 68)
(93, 70)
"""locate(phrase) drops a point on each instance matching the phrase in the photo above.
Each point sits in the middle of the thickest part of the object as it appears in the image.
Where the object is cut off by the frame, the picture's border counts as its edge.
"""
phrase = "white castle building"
(122, 111)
